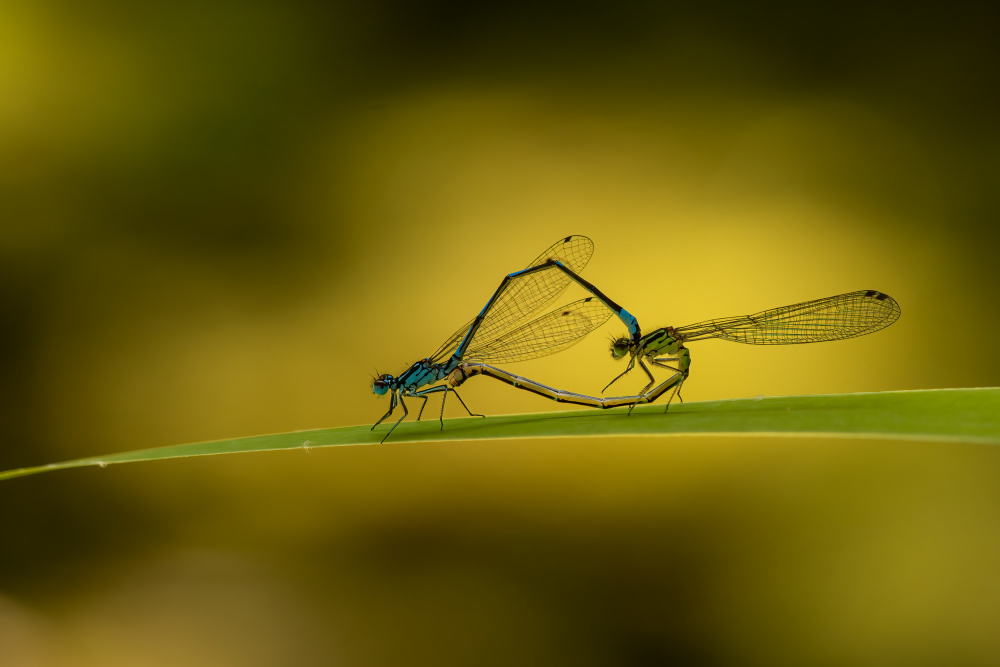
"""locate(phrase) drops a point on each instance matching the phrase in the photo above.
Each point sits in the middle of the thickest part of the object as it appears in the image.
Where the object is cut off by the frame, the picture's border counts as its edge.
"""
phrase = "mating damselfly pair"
(508, 330)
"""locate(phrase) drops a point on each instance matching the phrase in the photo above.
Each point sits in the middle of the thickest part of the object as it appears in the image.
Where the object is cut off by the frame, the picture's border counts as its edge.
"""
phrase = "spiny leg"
(471, 413)
(677, 392)
(632, 406)
(422, 406)
(423, 393)
(443, 399)
(642, 393)
(674, 382)
(659, 362)
(445, 389)
(678, 373)
(405, 413)
(652, 380)
(642, 399)
(631, 365)
(392, 406)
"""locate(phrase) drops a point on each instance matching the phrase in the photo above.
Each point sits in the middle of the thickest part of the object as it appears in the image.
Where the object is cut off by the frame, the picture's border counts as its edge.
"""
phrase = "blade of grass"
(950, 415)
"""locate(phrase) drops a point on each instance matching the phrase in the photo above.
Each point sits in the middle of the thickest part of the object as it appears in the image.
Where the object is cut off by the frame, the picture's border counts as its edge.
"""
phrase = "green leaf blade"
(945, 415)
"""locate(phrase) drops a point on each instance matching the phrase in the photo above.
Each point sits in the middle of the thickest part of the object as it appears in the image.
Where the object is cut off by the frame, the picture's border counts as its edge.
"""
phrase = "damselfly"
(833, 318)
(497, 334)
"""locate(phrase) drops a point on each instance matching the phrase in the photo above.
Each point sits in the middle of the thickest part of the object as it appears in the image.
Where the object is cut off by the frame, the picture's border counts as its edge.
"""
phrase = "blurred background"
(217, 219)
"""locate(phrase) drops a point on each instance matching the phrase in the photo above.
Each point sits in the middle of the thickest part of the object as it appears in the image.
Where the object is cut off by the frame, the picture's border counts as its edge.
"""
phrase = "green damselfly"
(833, 318)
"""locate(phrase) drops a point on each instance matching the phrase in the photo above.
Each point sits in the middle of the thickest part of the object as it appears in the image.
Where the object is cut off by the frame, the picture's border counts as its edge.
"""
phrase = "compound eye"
(380, 385)
(619, 348)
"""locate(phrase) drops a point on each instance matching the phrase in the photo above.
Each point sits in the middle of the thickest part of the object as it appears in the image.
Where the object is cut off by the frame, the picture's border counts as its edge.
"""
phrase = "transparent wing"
(832, 318)
(545, 335)
(448, 347)
(523, 296)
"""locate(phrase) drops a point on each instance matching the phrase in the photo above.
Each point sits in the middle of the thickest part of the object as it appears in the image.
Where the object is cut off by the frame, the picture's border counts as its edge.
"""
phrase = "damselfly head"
(619, 348)
(380, 385)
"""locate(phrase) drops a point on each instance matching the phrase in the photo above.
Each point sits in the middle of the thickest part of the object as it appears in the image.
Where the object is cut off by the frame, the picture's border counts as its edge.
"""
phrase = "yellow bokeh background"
(219, 219)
